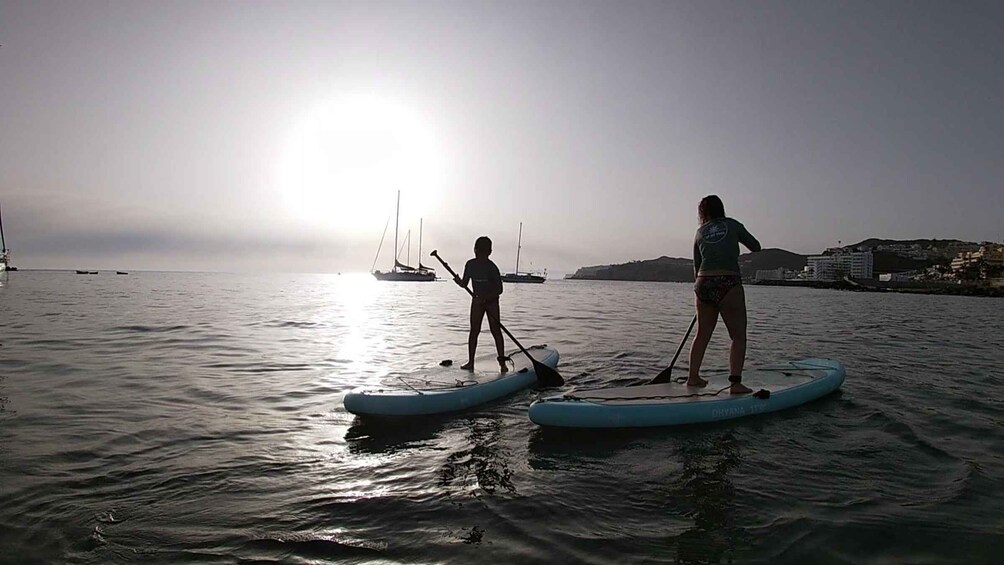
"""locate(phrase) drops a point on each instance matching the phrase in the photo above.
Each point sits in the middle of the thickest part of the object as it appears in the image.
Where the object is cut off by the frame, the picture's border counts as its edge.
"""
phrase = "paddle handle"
(446, 265)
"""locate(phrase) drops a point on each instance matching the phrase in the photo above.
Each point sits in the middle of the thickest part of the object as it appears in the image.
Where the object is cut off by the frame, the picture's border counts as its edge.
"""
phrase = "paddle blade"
(547, 376)
(664, 376)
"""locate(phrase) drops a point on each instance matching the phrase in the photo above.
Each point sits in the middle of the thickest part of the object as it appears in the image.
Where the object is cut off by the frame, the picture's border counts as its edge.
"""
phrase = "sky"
(255, 135)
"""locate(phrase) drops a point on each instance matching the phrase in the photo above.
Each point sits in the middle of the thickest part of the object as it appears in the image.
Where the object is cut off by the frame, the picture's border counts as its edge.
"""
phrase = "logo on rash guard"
(715, 232)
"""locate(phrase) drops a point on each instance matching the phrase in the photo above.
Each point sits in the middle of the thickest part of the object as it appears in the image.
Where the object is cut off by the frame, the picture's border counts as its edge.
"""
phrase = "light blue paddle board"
(438, 390)
(670, 404)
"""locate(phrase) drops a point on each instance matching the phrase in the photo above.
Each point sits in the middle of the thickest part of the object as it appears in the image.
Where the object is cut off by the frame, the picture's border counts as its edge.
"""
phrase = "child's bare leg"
(477, 315)
(492, 309)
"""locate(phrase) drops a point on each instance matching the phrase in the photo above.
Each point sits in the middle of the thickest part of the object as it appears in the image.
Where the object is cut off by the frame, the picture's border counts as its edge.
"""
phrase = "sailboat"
(4, 252)
(401, 271)
(518, 277)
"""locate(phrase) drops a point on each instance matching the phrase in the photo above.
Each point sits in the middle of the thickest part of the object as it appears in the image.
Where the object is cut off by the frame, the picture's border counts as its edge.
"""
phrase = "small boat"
(87, 272)
(518, 277)
(121, 273)
(400, 271)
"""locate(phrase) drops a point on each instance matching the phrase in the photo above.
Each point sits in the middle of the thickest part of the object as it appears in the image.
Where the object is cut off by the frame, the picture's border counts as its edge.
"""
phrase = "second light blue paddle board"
(790, 384)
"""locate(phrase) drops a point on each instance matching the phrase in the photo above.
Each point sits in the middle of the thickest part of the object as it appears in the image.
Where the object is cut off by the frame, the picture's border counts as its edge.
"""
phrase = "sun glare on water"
(344, 161)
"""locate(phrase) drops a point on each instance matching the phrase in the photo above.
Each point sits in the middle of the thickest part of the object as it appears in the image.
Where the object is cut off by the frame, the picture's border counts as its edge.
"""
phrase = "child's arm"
(496, 280)
(466, 278)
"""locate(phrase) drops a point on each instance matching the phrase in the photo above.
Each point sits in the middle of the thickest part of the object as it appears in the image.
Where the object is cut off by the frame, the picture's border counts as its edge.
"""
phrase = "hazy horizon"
(225, 136)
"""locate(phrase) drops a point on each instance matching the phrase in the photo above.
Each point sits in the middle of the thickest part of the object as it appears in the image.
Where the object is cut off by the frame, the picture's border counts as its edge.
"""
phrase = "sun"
(344, 160)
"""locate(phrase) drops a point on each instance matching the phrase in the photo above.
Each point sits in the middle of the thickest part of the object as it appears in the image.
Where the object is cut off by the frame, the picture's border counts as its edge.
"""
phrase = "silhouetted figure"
(487, 287)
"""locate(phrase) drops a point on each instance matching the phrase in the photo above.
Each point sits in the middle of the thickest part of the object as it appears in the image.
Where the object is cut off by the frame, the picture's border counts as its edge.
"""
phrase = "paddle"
(545, 375)
(666, 374)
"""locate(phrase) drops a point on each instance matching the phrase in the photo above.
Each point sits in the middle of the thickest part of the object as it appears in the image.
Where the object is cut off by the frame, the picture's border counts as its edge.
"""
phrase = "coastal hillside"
(664, 269)
(875, 242)
(773, 258)
(890, 256)
(676, 269)
(890, 262)
(895, 255)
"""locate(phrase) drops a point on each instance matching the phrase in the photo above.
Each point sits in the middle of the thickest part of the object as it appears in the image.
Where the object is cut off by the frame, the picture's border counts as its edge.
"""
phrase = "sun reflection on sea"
(355, 295)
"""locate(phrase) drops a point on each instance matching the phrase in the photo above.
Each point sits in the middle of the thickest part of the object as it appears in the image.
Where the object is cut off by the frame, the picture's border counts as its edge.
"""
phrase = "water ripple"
(168, 417)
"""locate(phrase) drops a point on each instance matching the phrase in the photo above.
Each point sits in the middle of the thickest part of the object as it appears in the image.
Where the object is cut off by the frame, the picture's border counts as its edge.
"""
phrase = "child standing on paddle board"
(487, 287)
(719, 289)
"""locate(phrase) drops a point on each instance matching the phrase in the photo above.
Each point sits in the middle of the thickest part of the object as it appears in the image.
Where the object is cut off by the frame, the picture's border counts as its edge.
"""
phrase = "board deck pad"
(774, 380)
(436, 376)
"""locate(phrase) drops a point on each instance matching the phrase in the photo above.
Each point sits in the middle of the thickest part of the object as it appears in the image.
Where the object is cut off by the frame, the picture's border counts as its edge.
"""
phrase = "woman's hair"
(483, 244)
(710, 208)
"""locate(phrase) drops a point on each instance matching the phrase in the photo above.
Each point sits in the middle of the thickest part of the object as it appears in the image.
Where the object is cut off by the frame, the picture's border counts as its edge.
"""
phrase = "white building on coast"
(854, 264)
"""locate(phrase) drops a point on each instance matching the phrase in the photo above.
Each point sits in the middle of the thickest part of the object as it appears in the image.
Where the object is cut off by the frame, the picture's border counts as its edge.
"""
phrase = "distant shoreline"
(905, 287)
(922, 263)
(911, 287)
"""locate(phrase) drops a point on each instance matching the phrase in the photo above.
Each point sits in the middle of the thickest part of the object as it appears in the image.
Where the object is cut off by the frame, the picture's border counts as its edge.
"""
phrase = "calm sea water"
(197, 418)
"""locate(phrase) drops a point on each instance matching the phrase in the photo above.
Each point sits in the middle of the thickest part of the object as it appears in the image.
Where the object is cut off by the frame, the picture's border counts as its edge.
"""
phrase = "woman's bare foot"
(697, 382)
(503, 368)
(469, 366)
(739, 388)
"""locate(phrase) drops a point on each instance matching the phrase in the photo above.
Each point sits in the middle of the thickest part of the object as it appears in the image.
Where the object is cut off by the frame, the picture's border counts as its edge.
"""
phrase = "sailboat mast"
(519, 244)
(3, 242)
(409, 248)
(420, 242)
(397, 216)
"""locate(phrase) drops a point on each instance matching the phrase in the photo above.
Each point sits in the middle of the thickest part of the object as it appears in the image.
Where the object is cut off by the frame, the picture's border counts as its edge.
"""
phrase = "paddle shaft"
(668, 371)
(682, 343)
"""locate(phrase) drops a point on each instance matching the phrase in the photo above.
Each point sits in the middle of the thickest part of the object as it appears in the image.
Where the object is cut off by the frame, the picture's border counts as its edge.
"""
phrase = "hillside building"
(855, 264)
(989, 257)
(911, 250)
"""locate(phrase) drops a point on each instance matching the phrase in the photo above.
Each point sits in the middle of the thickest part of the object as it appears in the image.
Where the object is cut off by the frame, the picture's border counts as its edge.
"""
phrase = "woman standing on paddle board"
(719, 288)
